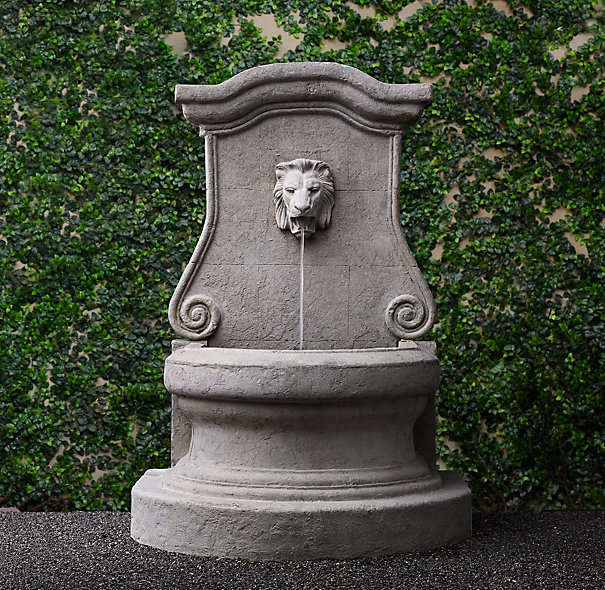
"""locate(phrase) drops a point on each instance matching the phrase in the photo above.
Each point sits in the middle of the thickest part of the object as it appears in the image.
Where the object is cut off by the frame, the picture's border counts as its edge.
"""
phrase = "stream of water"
(302, 285)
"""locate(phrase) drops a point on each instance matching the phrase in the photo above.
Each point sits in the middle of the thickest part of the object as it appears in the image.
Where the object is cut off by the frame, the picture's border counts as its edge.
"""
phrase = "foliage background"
(102, 201)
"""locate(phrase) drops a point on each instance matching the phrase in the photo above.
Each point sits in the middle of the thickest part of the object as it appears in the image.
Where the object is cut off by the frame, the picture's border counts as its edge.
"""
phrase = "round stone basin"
(290, 454)
(301, 376)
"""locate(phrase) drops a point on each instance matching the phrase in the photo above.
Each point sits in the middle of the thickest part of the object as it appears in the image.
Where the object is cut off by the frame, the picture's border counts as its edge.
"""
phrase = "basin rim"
(301, 376)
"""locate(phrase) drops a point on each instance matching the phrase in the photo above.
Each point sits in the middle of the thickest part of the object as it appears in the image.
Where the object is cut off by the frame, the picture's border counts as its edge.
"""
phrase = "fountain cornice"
(321, 85)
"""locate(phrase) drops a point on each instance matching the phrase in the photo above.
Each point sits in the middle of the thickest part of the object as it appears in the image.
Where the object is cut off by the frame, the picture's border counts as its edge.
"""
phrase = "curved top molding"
(284, 85)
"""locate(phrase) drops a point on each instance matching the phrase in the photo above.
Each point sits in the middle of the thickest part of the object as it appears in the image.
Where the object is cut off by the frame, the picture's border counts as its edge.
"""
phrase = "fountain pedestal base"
(169, 517)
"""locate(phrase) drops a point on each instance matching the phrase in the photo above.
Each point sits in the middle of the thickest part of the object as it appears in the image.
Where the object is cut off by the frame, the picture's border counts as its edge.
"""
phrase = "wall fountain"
(287, 446)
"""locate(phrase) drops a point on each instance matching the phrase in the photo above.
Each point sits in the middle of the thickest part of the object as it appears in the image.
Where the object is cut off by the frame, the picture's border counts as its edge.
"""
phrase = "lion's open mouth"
(299, 224)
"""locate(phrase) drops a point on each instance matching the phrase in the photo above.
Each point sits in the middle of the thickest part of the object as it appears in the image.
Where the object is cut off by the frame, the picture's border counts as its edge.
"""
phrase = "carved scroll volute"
(197, 316)
(409, 317)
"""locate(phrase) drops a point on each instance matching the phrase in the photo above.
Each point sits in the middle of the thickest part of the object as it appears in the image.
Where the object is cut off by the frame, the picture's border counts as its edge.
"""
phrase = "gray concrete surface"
(548, 550)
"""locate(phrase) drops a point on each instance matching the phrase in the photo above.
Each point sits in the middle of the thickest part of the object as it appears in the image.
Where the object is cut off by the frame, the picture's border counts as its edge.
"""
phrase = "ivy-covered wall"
(102, 201)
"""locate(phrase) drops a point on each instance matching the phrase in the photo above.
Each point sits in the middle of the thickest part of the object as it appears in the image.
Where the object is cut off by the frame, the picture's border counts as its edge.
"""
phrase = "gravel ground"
(90, 550)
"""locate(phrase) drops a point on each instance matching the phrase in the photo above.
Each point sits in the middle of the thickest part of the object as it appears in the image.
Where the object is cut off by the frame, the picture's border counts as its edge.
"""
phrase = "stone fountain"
(289, 447)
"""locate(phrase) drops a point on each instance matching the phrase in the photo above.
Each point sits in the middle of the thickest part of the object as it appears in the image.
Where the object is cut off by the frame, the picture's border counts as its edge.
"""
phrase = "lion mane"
(326, 196)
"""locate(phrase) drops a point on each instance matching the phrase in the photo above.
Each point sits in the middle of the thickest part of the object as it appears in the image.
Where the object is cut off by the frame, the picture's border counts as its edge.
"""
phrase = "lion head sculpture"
(303, 196)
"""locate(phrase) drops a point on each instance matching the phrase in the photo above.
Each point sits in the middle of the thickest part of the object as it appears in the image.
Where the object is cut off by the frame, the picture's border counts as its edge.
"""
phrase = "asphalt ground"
(90, 550)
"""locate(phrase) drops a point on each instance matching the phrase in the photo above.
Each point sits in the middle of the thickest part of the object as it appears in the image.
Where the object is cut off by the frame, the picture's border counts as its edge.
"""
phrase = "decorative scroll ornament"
(407, 317)
(303, 196)
(198, 316)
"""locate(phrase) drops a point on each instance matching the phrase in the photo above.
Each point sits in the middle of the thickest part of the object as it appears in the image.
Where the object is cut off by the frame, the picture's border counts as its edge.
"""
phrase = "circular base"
(238, 526)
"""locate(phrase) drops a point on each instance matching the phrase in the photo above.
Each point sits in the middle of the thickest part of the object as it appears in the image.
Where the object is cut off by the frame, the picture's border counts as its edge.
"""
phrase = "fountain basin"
(301, 376)
(302, 455)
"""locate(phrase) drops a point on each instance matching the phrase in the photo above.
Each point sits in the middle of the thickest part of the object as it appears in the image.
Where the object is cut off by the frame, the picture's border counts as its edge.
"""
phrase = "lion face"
(303, 196)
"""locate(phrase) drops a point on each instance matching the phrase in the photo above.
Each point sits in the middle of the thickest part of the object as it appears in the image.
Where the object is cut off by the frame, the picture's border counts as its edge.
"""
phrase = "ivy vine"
(102, 201)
